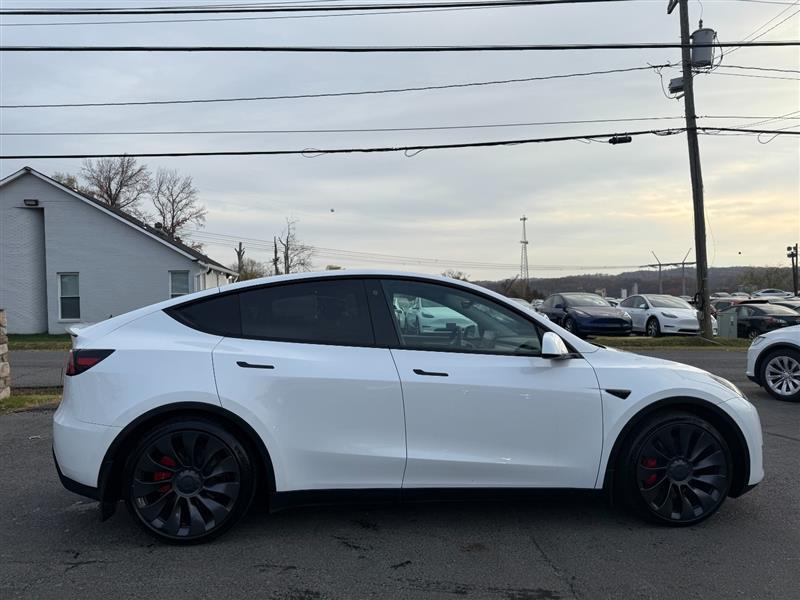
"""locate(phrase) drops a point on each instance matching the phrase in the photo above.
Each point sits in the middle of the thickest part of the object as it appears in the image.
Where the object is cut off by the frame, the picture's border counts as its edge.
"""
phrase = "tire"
(675, 469)
(780, 374)
(569, 325)
(752, 334)
(188, 481)
(653, 328)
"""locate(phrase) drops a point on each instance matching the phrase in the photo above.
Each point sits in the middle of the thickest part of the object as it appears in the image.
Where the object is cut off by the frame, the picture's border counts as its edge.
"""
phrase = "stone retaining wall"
(5, 369)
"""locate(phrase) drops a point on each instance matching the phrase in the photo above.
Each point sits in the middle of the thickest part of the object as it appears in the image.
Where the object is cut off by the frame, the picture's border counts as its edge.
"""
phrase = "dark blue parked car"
(585, 314)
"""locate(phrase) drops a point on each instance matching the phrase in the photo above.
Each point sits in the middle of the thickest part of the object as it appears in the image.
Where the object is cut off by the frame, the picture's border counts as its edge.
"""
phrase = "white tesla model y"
(306, 387)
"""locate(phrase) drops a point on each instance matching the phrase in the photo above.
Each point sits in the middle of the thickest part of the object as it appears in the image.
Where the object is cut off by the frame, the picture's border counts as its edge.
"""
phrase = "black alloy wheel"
(678, 469)
(188, 482)
(569, 325)
(752, 334)
(653, 328)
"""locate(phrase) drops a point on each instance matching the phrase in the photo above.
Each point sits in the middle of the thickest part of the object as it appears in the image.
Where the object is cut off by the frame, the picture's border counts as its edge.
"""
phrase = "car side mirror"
(553, 346)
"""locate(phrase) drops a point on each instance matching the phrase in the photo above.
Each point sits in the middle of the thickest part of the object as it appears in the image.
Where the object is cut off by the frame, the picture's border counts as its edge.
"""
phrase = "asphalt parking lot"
(52, 544)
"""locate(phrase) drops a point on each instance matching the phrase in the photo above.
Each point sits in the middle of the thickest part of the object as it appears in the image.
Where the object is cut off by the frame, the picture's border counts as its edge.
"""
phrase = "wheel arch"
(723, 422)
(768, 351)
(112, 468)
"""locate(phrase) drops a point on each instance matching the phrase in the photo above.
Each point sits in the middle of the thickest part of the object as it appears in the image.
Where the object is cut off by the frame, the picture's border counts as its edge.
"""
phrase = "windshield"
(585, 300)
(668, 302)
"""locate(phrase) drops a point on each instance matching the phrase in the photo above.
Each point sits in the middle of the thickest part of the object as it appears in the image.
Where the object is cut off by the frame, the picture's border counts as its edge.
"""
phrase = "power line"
(758, 69)
(325, 15)
(262, 244)
(752, 76)
(314, 152)
(338, 94)
(287, 8)
(377, 129)
(751, 36)
(401, 49)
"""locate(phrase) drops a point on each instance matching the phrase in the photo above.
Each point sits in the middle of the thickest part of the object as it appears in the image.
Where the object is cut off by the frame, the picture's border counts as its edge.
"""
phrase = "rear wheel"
(188, 481)
(675, 470)
(752, 334)
(653, 329)
(780, 374)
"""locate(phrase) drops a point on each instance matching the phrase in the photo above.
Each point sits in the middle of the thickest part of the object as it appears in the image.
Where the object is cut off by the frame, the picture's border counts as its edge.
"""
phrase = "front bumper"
(594, 328)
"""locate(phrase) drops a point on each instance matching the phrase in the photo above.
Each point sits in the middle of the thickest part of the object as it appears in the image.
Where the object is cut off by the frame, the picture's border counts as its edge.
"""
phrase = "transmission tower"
(524, 274)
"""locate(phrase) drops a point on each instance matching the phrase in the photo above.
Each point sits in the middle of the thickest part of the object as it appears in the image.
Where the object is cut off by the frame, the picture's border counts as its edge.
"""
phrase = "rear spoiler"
(75, 330)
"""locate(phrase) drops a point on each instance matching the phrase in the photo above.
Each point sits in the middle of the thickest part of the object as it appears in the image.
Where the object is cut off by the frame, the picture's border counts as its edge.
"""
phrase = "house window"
(178, 283)
(68, 296)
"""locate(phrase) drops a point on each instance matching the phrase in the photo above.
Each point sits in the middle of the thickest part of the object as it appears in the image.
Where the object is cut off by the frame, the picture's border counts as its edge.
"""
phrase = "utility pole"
(791, 253)
(275, 255)
(524, 273)
(702, 299)
(683, 272)
(239, 257)
(658, 260)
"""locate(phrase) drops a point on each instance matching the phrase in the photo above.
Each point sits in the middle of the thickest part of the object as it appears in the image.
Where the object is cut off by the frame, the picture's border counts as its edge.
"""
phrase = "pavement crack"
(781, 435)
(556, 569)
(82, 563)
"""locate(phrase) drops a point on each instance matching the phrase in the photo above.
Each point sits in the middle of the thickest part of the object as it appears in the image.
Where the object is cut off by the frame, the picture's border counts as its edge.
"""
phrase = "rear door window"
(321, 312)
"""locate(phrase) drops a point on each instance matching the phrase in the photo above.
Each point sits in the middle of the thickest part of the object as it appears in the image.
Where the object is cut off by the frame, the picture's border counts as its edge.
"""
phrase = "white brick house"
(66, 258)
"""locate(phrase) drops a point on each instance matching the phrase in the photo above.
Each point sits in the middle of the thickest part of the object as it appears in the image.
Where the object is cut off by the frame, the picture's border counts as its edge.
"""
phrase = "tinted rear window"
(325, 312)
(218, 315)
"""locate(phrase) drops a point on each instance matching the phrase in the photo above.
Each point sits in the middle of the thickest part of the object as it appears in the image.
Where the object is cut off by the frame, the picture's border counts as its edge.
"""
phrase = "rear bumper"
(74, 486)
(79, 448)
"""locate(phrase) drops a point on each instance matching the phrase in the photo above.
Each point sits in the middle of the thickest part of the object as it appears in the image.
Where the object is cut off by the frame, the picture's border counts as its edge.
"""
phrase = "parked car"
(424, 315)
(303, 386)
(536, 302)
(521, 302)
(585, 314)
(720, 295)
(657, 314)
(740, 295)
(612, 301)
(773, 362)
(721, 304)
(788, 303)
(771, 292)
(753, 320)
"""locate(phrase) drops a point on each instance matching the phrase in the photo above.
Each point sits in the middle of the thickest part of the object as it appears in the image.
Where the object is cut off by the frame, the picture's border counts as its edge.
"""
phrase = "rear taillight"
(83, 360)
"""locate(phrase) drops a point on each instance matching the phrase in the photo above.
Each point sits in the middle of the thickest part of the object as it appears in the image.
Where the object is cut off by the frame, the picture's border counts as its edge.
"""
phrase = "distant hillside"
(724, 279)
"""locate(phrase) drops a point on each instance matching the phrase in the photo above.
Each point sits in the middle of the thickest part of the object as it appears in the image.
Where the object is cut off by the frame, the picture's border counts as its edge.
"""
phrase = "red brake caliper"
(162, 475)
(650, 463)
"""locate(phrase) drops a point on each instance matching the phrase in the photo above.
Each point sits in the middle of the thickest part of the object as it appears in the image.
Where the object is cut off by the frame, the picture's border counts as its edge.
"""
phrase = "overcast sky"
(589, 204)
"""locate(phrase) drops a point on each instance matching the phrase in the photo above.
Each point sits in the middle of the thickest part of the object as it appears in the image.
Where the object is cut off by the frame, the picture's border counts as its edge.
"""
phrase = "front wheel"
(188, 481)
(653, 329)
(780, 374)
(676, 470)
(569, 325)
(752, 334)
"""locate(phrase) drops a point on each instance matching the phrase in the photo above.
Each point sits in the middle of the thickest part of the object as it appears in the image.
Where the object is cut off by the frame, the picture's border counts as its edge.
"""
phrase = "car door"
(307, 374)
(553, 307)
(636, 306)
(484, 409)
(744, 320)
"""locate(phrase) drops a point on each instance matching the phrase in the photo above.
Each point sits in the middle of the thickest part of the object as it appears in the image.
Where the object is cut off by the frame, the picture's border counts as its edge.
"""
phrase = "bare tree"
(175, 202)
(119, 182)
(71, 181)
(296, 255)
(250, 269)
(453, 274)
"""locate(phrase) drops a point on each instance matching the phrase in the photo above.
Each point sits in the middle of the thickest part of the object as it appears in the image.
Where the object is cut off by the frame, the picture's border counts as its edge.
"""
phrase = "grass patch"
(39, 341)
(28, 398)
(677, 341)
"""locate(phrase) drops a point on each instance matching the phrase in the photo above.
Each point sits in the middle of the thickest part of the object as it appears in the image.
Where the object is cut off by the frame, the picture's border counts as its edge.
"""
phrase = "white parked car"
(658, 314)
(305, 387)
(773, 362)
(424, 315)
(771, 293)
